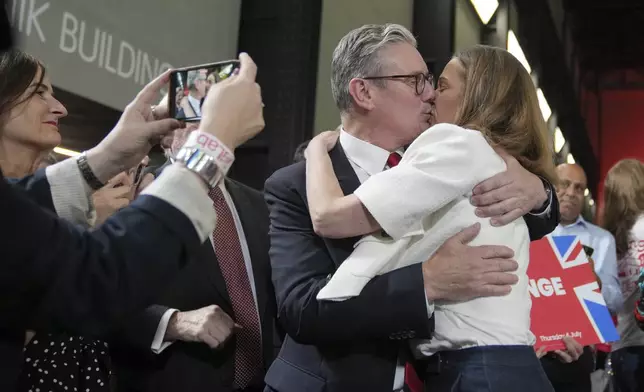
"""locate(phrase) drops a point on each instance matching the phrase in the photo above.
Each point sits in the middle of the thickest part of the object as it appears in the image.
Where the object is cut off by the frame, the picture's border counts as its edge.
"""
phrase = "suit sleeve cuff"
(185, 191)
(158, 343)
(69, 192)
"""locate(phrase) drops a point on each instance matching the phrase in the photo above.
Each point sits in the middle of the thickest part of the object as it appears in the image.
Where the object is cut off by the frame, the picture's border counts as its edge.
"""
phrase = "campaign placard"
(566, 299)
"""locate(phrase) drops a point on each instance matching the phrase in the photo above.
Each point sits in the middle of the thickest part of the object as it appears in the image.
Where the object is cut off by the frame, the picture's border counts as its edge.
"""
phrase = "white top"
(421, 203)
(628, 271)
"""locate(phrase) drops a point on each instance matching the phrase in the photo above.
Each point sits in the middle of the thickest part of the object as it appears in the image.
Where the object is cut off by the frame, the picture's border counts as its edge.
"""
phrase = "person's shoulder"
(287, 177)
(288, 174)
(449, 134)
(243, 187)
(449, 140)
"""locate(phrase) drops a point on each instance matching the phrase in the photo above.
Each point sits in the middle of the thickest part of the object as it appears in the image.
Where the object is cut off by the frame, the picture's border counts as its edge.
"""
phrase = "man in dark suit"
(214, 326)
(362, 344)
(58, 276)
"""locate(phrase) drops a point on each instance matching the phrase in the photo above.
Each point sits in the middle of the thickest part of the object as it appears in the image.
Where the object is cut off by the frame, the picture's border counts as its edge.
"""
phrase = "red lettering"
(213, 145)
(202, 140)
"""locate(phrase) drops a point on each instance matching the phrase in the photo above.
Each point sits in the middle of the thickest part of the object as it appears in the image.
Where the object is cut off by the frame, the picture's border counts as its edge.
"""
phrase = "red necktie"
(413, 382)
(393, 160)
(248, 349)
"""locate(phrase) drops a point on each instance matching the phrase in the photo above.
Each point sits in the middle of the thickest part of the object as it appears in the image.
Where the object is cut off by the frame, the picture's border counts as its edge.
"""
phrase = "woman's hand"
(324, 141)
(138, 129)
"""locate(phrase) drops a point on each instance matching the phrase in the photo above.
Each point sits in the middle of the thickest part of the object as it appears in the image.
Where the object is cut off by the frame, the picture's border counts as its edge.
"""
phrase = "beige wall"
(338, 18)
(467, 26)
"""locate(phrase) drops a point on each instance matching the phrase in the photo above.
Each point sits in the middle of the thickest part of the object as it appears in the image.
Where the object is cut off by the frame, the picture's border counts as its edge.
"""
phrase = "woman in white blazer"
(486, 107)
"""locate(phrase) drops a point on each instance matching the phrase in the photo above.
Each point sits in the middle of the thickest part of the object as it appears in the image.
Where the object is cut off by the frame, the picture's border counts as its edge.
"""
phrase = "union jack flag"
(577, 308)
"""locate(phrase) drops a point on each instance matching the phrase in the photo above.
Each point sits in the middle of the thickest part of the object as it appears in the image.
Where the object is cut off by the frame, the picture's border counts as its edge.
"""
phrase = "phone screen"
(189, 86)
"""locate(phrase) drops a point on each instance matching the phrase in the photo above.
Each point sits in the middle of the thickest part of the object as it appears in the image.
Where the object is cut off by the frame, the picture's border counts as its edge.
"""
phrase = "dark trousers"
(628, 369)
(570, 377)
(485, 369)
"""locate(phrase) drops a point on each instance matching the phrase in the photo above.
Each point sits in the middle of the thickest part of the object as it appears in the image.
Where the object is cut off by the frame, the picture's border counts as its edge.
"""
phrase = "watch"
(201, 163)
(88, 173)
(548, 189)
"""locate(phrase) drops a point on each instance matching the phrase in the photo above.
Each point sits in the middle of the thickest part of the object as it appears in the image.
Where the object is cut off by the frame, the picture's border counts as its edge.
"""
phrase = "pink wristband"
(209, 144)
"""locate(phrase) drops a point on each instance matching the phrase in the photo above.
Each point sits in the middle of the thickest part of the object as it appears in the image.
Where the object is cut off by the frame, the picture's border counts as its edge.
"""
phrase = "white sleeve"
(158, 344)
(69, 192)
(445, 162)
(185, 191)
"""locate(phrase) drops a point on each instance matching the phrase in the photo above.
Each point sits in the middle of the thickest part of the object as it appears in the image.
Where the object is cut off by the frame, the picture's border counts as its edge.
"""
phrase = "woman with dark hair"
(29, 115)
(488, 112)
(624, 218)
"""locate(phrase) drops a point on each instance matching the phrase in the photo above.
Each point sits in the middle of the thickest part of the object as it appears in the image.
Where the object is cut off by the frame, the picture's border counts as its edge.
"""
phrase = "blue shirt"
(605, 257)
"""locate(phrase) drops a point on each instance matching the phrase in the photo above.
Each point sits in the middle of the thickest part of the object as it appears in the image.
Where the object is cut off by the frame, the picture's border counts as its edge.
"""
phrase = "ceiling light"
(559, 140)
(586, 192)
(64, 151)
(570, 159)
(591, 202)
(515, 49)
(485, 9)
(543, 105)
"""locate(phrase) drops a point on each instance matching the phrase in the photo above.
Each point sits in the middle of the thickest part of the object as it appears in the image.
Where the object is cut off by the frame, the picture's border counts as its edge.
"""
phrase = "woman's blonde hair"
(500, 100)
(623, 200)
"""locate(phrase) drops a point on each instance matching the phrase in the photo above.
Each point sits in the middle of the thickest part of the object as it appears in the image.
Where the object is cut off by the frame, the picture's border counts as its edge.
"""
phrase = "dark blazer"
(345, 346)
(56, 276)
(195, 366)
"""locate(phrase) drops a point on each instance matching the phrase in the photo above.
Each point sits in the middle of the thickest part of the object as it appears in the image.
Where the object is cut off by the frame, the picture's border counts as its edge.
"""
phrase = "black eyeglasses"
(420, 80)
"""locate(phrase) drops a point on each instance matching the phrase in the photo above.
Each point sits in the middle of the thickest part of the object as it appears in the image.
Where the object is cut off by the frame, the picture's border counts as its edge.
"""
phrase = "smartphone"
(189, 86)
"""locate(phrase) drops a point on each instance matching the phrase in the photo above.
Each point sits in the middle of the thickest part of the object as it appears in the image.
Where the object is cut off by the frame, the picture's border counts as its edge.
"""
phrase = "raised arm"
(333, 215)
(301, 265)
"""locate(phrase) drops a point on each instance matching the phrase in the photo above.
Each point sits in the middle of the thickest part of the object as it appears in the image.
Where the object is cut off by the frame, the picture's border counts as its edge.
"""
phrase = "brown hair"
(623, 200)
(17, 70)
(500, 100)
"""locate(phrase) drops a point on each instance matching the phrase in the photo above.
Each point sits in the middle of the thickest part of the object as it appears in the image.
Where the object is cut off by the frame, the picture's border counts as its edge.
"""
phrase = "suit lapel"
(349, 182)
(256, 239)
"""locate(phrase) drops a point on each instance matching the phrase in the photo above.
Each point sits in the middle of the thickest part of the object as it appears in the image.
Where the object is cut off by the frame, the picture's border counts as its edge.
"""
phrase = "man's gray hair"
(193, 76)
(357, 55)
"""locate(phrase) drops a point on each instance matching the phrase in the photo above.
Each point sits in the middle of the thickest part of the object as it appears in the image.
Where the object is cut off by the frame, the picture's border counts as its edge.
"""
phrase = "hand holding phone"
(189, 87)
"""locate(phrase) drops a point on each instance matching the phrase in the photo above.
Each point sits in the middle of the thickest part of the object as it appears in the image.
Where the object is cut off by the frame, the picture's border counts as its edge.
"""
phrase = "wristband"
(202, 164)
(210, 145)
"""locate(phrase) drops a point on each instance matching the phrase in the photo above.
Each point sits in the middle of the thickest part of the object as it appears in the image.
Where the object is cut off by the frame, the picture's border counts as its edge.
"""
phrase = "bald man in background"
(574, 375)
(570, 191)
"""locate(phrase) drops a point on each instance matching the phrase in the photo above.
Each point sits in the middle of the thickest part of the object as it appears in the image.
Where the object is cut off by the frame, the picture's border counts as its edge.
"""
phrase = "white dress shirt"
(158, 343)
(604, 255)
(629, 269)
(421, 203)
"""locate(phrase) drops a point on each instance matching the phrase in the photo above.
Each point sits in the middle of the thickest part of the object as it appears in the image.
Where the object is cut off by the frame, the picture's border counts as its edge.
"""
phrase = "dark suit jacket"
(56, 276)
(195, 366)
(351, 345)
